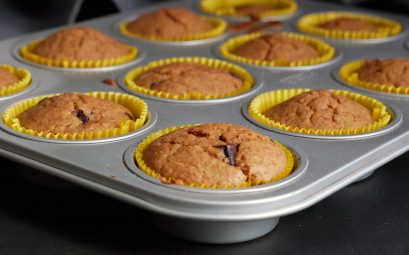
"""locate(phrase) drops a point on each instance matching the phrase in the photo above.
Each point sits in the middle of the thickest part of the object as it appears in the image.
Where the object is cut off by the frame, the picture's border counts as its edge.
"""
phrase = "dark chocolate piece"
(230, 151)
(81, 115)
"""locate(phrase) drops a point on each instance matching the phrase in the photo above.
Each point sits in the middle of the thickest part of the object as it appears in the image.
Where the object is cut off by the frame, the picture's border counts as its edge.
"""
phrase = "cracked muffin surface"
(394, 72)
(276, 47)
(320, 109)
(220, 154)
(181, 78)
(7, 78)
(80, 43)
(74, 113)
(348, 24)
(169, 22)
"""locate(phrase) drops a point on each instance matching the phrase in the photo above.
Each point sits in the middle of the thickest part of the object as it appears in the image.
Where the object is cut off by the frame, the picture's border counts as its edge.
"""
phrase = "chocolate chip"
(129, 115)
(110, 82)
(230, 151)
(81, 115)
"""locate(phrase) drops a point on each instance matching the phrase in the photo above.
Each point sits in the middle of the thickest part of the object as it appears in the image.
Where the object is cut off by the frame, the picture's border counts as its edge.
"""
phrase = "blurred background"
(20, 16)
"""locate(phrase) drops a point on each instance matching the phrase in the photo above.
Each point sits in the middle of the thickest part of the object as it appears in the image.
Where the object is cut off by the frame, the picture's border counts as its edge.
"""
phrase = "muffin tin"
(324, 164)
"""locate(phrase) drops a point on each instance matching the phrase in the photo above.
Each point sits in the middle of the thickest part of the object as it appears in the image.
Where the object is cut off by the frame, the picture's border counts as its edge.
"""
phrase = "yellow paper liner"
(138, 107)
(138, 156)
(27, 53)
(248, 81)
(325, 51)
(23, 82)
(349, 74)
(310, 24)
(265, 101)
(227, 7)
(219, 26)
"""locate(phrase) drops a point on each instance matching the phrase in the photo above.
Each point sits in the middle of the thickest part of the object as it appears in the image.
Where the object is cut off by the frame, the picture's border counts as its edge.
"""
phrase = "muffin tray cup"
(324, 164)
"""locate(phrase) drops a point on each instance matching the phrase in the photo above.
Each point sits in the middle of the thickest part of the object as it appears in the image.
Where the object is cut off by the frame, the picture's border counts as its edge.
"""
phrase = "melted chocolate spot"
(230, 151)
(81, 115)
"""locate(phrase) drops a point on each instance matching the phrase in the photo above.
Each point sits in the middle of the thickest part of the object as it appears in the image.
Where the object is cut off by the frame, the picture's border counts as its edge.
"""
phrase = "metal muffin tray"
(324, 165)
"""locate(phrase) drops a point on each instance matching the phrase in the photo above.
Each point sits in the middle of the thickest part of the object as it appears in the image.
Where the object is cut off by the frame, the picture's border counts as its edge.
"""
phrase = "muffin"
(215, 154)
(320, 109)
(183, 77)
(252, 9)
(348, 24)
(7, 78)
(392, 72)
(74, 113)
(169, 23)
(80, 44)
(276, 47)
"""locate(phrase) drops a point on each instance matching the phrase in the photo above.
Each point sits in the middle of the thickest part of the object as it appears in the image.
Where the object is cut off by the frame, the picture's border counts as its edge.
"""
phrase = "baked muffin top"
(320, 109)
(7, 78)
(80, 43)
(349, 24)
(394, 72)
(180, 78)
(253, 9)
(220, 154)
(168, 23)
(276, 47)
(74, 113)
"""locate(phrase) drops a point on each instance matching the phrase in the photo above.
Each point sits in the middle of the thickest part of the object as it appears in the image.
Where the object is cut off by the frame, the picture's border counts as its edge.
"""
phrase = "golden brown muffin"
(349, 24)
(168, 23)
(220, 154)
(181, 78)
(276, 47)
(253, 9)
(320, 109)
(7, 78)
(394, 72)
(80, 43)
(74, 113)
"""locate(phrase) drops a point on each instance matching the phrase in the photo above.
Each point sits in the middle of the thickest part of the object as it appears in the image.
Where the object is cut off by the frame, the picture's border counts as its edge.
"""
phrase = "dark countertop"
(369, 217)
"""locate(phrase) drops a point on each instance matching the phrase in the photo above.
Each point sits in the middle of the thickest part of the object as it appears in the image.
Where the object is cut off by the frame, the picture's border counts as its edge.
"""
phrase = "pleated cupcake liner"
(248, 80)
(227, 7)
(27, 53)
(310, 24)
(349, 74)
(138, 157)
(263, 102)
(219, 27)
(326, 52)
(24, 81)
(138, 108)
